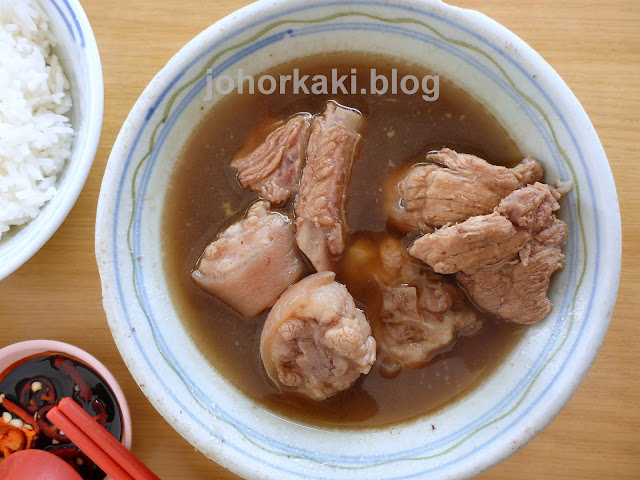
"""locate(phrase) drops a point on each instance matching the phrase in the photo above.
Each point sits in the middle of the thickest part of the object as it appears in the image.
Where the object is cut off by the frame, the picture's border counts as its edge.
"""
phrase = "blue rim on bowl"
(498, 417)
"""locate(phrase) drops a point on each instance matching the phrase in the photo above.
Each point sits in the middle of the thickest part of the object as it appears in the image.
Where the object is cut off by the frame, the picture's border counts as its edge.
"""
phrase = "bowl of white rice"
(51, 105)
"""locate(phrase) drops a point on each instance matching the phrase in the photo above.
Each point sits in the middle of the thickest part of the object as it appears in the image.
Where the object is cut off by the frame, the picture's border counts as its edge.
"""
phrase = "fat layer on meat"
(252, 262)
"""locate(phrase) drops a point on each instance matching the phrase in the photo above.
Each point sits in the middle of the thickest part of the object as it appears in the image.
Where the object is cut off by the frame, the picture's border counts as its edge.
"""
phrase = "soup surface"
(205, 197)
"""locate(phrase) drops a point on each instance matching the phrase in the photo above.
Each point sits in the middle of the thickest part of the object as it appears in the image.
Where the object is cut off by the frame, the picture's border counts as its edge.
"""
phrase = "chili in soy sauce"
(30, 389)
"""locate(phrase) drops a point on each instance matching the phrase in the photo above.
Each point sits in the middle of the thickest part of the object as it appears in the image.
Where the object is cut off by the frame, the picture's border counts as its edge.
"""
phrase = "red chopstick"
(88, 446)
(111, 446)
(94, 440)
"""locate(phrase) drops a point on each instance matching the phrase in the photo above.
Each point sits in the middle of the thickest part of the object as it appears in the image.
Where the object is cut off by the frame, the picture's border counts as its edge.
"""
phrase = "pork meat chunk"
(477, 241)
(489, 239)
(274, 168)
(453, 187)
(252, 262)
(509, 279)
(315, 341)
(422, 312)
(516, 291)
(321, 225)
(531, 208)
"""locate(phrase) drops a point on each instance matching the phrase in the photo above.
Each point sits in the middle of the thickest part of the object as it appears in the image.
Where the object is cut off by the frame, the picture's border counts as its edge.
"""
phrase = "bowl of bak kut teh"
(358, 240)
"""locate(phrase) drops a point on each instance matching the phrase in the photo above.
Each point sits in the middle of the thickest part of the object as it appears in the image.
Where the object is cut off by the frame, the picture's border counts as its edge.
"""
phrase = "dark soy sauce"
(67, 377)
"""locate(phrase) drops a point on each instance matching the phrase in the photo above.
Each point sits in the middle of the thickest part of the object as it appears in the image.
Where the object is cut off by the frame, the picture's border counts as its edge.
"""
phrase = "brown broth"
(205, 197)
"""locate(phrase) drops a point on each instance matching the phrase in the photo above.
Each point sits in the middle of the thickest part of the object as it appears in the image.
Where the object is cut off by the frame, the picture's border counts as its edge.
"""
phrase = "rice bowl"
(34, 99)
(65, 165)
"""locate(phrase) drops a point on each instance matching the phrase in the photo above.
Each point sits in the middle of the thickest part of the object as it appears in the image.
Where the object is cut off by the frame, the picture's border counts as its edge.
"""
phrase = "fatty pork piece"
(315, 341)
(452, 187)
(504, 261)
(252, 262)
(421, 312)
(321, 225)
(273, 169)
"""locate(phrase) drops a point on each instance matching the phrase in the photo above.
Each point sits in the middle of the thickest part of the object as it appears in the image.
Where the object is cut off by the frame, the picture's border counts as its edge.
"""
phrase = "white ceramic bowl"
(78, 54)
(515, 402)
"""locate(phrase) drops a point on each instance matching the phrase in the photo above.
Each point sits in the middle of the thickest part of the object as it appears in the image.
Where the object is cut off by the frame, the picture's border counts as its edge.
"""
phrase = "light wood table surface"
(594, 45)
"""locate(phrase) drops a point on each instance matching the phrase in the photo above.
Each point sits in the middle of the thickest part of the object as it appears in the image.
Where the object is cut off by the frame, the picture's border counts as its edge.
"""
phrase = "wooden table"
(594, 45)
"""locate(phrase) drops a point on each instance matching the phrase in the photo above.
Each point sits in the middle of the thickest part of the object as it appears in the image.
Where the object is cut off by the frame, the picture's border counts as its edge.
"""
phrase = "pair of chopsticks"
(97, 443)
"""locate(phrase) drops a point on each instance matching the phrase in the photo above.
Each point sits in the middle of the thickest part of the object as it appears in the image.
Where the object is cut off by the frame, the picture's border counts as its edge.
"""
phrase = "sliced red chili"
(12, 439)
(49, 429)
(71, 456)
(101, 416)
(16, 410)
(67, 367)
(28, 398)
(66, 453)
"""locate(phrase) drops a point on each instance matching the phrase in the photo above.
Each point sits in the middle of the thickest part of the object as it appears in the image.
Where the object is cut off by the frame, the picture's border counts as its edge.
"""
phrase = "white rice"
(35, 134)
